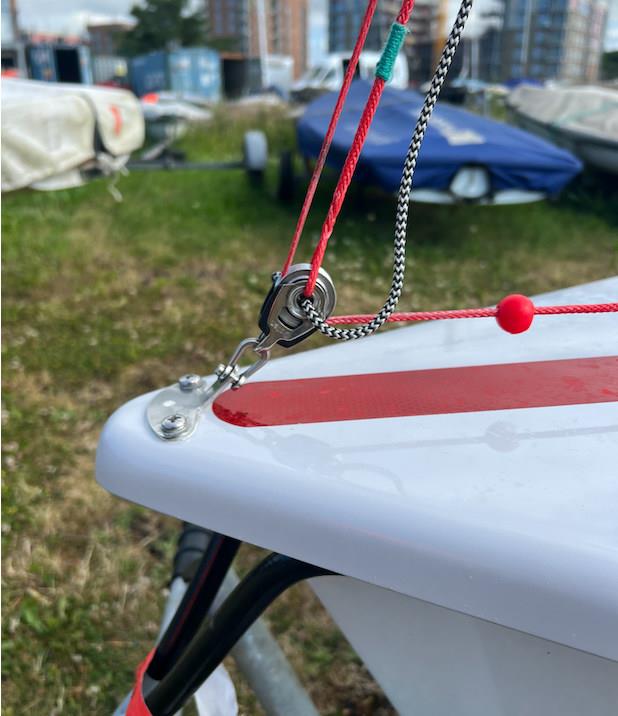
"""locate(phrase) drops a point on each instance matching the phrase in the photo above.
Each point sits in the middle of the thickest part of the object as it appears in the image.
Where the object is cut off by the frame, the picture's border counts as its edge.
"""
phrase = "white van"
(327, 75)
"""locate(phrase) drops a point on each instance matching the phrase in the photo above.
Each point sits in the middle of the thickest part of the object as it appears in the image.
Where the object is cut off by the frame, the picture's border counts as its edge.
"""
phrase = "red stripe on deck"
(421, 392)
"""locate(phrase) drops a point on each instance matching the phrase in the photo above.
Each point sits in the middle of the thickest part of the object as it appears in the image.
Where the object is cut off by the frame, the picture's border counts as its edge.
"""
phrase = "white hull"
(431, 660)
(479, 546)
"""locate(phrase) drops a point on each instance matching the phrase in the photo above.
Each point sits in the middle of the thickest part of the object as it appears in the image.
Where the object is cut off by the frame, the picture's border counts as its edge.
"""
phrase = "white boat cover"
(585, 110)
(48, 129)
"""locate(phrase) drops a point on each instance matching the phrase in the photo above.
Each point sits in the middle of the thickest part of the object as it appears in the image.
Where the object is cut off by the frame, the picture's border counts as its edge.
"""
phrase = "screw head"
(173, 425)
(189, 382)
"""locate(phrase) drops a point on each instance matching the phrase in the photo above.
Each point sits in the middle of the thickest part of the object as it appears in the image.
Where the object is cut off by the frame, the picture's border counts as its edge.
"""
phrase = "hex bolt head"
(189, 382)
(173, 425)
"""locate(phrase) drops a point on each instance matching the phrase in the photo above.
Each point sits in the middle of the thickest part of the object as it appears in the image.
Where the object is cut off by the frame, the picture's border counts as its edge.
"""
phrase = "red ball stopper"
(515, 313)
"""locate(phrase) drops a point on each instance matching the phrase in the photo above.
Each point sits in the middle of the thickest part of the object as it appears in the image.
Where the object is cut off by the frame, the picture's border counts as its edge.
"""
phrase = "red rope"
(330, 132)
(576, 308)
(405, 11)
(343, 182)
(474, 313)
(350, 163)
(416, 316)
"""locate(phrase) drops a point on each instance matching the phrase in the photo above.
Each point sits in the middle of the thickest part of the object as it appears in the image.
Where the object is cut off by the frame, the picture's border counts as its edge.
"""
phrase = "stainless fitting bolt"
(189, 382)
(224, 371)
(173, 425)
(238, 382)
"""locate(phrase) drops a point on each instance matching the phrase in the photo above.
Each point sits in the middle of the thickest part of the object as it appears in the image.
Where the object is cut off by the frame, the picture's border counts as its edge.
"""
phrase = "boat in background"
(584, 120)
(169, 115)
(54, 135)
(464, 157)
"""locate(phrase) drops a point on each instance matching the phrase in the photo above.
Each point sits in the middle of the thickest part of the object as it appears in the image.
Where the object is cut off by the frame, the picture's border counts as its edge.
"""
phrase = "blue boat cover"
(514, 159)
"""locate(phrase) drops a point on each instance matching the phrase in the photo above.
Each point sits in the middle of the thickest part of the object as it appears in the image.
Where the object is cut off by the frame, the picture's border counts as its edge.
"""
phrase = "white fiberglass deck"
(510, 515)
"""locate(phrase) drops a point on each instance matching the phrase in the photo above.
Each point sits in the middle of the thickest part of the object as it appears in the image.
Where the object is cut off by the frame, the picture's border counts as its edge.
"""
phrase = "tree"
(164, 23)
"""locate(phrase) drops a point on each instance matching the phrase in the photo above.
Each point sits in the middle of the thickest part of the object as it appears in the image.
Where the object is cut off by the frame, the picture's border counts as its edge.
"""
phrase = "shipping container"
(108, 67)
(41, 63)
(148, 73)
(85, 64)
(187, 70)
(241, 76)
(195, 70)
(59, 63)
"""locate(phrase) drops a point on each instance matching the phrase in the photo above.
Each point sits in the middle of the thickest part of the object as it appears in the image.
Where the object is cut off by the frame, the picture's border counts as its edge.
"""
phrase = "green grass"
(103, 301)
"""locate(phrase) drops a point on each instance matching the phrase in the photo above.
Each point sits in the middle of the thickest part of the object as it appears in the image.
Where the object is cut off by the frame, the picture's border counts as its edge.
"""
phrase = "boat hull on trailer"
(469, 503)
(583, 120)
(464, 157)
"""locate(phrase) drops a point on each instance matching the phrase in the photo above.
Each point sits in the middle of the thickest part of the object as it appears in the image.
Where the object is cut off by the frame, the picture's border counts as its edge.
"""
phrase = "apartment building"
(344, 21)
(553, 39)
(235, 27)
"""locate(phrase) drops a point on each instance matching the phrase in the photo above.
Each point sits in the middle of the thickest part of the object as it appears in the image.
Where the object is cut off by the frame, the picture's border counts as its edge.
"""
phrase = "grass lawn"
(104, 301)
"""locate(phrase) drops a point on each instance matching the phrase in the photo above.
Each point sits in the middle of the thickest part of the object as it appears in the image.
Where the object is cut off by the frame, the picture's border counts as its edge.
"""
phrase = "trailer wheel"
(255, 154)
(286, 184)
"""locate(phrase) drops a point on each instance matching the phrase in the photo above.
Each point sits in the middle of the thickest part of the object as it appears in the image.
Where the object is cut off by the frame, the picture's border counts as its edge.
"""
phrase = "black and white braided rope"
(403, 197)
